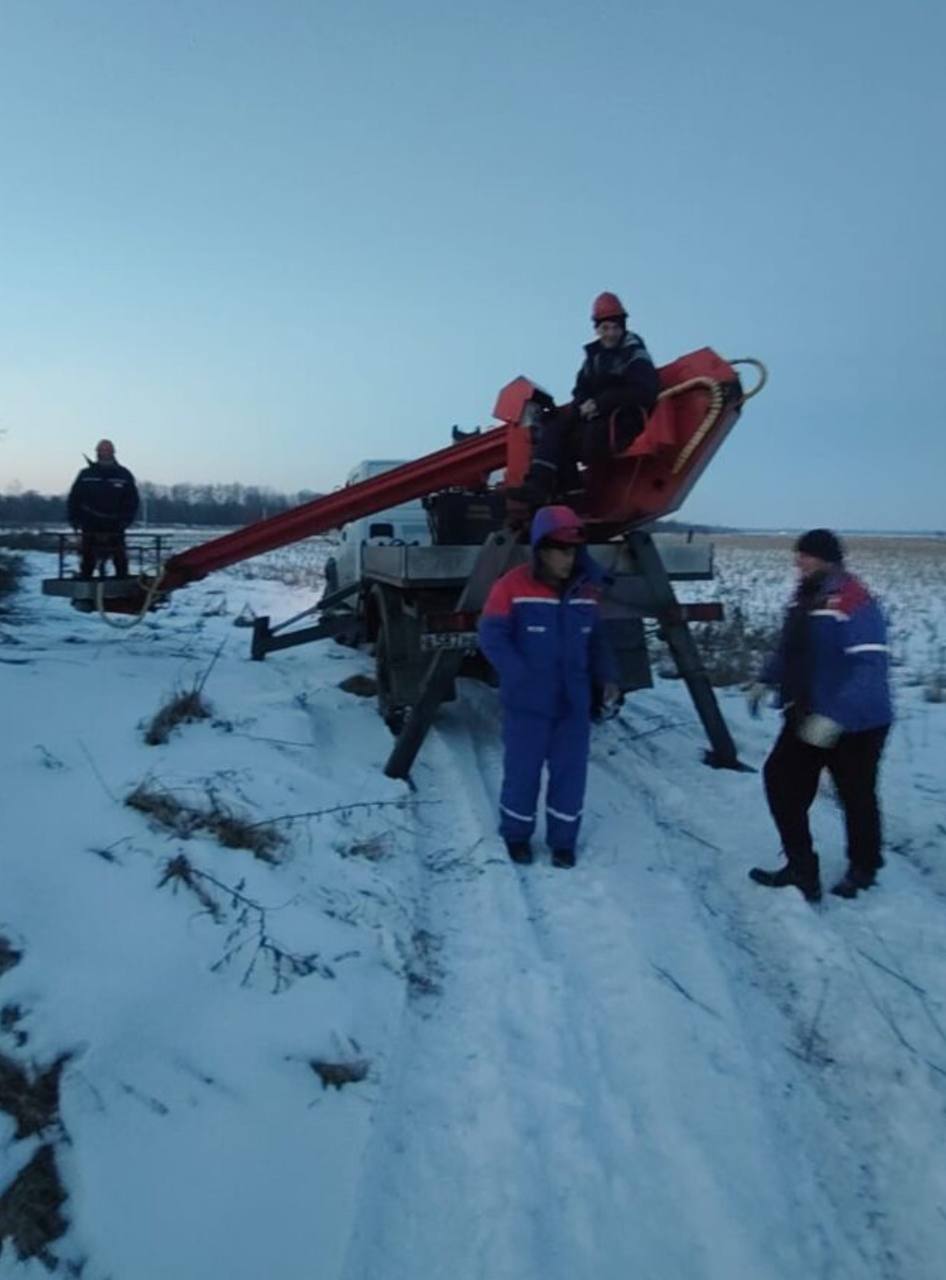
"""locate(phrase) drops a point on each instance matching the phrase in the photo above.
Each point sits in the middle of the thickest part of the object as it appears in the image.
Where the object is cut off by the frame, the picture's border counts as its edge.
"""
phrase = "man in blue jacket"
(830, 669)
(541, 630)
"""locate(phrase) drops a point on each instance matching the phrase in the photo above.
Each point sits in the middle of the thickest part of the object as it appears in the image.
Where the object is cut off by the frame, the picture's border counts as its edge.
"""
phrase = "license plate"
(465, 641)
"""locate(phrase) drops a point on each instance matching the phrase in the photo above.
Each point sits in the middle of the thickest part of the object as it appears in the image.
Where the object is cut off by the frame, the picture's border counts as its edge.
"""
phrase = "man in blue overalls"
(541, 629)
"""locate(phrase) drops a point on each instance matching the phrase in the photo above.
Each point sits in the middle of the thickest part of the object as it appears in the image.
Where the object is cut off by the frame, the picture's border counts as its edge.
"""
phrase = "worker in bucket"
(831, 673)
(103, 501)
(615, 390)
(541, 629)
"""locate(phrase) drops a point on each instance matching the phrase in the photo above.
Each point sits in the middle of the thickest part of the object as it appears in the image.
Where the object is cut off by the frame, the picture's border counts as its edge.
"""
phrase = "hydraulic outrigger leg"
(673, 625)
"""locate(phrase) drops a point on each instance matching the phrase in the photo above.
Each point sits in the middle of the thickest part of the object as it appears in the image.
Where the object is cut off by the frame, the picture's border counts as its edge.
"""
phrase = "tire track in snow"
(572, 1106)
(453, 1180)
(598, 1174)
(685, 1188)
(802, 979)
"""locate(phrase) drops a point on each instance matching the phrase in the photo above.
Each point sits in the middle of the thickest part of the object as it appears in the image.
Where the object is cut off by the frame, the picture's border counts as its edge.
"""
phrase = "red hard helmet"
(607, 306)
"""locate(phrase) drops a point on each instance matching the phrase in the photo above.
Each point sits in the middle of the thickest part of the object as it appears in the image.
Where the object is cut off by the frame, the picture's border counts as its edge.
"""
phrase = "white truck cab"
(403, 525)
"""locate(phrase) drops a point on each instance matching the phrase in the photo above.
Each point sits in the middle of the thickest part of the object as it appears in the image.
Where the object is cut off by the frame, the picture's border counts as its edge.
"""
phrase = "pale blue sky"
(262, 241)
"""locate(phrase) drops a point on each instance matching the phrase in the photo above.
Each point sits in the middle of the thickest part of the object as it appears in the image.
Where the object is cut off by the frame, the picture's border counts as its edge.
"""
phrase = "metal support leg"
(259, 646)
(265, 640)
(723, 754)
(494, 559)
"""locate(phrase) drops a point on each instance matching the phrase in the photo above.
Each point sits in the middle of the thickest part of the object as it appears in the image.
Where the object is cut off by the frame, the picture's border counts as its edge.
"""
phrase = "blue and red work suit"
(832, 661)
(548, 648)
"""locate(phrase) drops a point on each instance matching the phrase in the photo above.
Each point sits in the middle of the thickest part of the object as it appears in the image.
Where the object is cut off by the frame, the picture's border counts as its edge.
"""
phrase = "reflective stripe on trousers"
(531, 741)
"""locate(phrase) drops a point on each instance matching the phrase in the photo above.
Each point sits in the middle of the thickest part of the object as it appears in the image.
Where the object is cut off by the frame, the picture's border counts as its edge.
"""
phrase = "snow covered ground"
(646, 1067)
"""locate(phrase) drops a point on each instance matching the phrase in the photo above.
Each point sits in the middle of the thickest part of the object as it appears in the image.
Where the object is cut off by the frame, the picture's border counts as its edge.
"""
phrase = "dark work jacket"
(103, 498)
(615, 379)
(833, 657)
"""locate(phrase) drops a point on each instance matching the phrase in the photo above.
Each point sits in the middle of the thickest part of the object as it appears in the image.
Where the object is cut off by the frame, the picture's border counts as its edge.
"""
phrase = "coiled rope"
(151, 589)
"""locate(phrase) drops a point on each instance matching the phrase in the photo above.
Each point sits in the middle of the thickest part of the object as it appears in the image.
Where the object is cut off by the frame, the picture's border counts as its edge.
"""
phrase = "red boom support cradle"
(699, 402)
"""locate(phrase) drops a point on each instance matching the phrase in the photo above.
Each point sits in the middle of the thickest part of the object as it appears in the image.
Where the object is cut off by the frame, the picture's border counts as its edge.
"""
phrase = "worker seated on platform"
(616, 388)
(102, 503)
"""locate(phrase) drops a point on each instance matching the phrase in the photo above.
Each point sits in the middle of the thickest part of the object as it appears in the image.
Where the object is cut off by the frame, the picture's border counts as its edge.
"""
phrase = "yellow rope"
(712, 413)
(715, 405)
(151, 589)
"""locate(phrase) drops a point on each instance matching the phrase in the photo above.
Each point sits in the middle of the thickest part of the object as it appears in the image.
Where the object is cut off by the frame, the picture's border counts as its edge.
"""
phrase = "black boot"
(805, 878)
(853, 881)
(519, 850)
(569, 479)
(563, 857)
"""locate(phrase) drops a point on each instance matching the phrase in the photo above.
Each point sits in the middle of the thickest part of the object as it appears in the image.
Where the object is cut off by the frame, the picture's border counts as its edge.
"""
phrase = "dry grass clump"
(338, 1074)
(30, 1207)
(234, 832)
(185, 707)
(11, 1015)
(164, 808)
(262, 839)
(11, 567)
(31, 1101)
(31, 1215)
(8, 955)
(373, 848)
(734, 650)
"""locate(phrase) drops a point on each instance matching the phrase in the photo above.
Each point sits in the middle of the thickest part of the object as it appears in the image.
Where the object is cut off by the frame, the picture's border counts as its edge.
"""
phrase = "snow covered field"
(380, 1051)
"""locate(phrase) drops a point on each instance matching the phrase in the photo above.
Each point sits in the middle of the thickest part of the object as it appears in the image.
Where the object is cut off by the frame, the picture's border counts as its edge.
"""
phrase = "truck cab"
(405, 525)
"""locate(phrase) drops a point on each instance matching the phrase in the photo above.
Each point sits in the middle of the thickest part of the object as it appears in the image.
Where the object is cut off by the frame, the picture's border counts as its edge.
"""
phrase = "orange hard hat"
(607, 306)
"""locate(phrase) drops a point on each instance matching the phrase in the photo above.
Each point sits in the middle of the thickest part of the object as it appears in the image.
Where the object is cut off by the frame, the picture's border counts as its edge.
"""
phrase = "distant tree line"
(211, 504)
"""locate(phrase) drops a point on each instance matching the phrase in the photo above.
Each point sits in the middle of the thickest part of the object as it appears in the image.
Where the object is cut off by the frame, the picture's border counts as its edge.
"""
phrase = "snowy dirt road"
(646, 1066)
(632, 1068)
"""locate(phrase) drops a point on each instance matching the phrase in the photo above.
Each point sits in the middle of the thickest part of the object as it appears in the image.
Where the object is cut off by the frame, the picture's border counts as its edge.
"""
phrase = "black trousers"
(565, 438)
(98, 547)
(791, 777)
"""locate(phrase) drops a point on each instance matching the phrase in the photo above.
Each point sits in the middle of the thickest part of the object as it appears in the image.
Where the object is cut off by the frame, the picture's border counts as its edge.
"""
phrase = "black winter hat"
(823, 544)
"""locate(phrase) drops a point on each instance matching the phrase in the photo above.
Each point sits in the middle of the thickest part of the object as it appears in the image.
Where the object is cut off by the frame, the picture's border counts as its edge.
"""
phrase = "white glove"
(755, 696)
(820, 731)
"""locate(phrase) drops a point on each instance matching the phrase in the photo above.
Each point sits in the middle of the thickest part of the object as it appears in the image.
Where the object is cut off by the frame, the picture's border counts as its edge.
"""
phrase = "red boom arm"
(463, 464)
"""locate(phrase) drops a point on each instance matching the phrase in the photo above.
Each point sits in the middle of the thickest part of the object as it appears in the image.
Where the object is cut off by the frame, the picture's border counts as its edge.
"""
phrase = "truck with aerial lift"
(414, 589)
